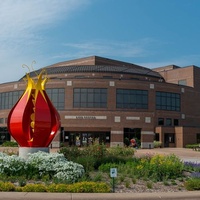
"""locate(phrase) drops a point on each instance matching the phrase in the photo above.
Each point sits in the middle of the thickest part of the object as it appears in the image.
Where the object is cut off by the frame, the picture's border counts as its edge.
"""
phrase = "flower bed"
(88, 170)
(41, 164)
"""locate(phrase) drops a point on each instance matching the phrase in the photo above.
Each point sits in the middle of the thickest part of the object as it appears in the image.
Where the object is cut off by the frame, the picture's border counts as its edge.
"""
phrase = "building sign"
(89, 117)
(85, 117)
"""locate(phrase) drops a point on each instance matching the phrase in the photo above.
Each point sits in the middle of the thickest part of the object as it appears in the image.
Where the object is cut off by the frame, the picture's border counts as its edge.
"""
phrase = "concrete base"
(24, 151)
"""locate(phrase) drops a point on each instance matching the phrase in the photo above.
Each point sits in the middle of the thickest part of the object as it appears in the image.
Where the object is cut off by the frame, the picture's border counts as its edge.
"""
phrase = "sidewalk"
(183, 153)
(99, 196)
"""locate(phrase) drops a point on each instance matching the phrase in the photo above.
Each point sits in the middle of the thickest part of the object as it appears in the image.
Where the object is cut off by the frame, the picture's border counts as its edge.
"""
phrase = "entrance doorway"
(169, 140)
(132, 133)
(81, 139)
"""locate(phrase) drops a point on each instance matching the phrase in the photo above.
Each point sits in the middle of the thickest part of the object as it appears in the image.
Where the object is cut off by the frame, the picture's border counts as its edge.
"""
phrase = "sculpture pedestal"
(24, 151)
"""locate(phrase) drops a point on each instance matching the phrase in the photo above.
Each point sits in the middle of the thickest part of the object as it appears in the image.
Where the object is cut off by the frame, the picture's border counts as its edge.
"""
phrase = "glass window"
(168, 101)
(57, 97)
(90, 98)
(168, 122)
(134, 99)
(176, 122)
(8, 99)
(160, 121)
(157, 137)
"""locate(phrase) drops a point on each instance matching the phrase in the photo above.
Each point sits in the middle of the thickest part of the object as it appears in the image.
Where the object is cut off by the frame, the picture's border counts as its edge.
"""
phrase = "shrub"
(6, 186)
(87, 187)
(55, 165)
(191, 146)
(157, 167)
(121, 151)
(9, 144)
(70, 153)
(157, 144)
(111, 159)
(126, 141)
(87, 162)
(58, 188)
(96, 150)
(162, 167)
(12, 165)
(192, 184)
(106, 167)
(90, 187)
(34, 188)
(41, 165)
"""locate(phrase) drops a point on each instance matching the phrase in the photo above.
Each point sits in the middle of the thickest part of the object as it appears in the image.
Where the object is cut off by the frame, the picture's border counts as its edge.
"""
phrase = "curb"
(100, 196)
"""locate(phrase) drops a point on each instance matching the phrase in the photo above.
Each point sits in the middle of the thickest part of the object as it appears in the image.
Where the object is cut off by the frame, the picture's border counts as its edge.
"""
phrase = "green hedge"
(9, 144)
(191, 146)
(87, 187)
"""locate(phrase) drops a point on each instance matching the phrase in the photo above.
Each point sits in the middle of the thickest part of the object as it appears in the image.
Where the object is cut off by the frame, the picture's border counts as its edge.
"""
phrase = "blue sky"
(150, 33)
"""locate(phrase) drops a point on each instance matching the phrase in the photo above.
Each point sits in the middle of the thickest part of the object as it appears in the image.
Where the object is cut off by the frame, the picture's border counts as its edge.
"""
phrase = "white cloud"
(108, 48)
(21, 24)
(22, 17)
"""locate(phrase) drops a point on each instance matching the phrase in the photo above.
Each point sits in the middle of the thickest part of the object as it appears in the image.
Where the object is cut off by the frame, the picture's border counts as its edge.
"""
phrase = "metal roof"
(128, 69)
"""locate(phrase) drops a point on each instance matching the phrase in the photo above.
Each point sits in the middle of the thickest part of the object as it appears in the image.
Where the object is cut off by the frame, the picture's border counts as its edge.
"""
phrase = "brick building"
(111, 101)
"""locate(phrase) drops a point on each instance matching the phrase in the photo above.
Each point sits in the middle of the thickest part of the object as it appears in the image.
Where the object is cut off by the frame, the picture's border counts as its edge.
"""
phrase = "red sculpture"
(33, 121)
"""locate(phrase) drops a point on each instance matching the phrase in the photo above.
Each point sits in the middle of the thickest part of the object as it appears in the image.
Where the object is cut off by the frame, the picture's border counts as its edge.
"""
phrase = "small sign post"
(113, 174)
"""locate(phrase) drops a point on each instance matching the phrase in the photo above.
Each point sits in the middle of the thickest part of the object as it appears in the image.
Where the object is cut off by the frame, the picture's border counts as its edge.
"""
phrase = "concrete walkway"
(100, 196)
(183, 153)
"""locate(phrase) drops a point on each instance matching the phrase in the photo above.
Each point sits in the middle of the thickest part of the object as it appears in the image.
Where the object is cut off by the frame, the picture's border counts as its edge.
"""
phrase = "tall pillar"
(147, 139)
(116, 138)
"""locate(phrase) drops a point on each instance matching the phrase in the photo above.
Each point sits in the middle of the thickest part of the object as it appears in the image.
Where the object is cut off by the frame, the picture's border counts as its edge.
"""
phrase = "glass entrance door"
(88, 138)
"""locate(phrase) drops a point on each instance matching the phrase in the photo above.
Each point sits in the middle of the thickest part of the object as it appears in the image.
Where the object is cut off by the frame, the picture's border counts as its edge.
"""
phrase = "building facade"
(111, 102)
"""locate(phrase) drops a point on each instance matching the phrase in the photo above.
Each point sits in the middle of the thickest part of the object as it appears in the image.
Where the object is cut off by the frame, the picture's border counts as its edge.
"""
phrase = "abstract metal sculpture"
(34, 121)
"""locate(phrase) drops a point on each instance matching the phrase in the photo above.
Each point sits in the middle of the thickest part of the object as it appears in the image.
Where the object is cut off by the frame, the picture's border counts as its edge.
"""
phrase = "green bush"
(126, 141)
(61, 188)
(90, 187)
(95, 150)
(192, 184)
(6, 186)
(111, 159)
(106, 167)
(162, 167)
(157, 167)
(9, 144)
(34, 188)
(157, 144)
(70, 153)
(191, 146)
(121, 151)
(87, 162)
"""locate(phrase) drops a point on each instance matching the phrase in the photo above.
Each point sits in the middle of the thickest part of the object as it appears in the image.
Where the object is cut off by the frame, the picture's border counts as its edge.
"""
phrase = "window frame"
(90, 97)
(132, 99)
